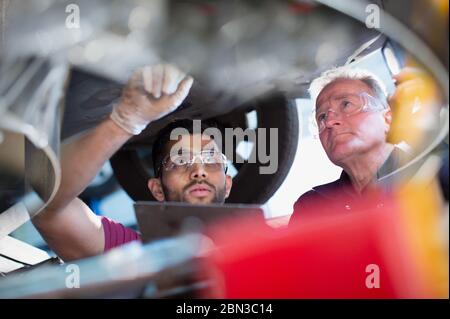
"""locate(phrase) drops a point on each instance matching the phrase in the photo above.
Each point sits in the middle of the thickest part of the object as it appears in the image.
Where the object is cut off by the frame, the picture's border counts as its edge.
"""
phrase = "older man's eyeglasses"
(344, 104)
(211, 160)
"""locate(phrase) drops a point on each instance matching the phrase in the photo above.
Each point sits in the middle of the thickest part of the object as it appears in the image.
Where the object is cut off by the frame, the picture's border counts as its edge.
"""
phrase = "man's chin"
(344, 151)
(199, 200)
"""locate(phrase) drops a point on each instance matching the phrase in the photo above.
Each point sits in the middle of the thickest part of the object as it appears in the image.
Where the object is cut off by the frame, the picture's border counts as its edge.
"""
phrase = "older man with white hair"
(353, 118)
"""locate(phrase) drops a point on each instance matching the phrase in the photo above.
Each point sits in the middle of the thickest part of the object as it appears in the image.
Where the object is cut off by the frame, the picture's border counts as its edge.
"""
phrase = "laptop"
(157, 220)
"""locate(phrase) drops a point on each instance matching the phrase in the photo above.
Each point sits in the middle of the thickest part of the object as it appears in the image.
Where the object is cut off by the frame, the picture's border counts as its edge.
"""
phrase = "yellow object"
(415, 108)
(421, 212)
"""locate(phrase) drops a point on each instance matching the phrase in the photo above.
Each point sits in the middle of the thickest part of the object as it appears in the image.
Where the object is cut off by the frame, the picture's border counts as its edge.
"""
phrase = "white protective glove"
(151, 93)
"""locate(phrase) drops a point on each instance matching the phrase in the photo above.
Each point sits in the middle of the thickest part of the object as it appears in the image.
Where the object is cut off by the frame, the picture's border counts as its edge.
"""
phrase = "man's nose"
(333, 118)
(198, 171)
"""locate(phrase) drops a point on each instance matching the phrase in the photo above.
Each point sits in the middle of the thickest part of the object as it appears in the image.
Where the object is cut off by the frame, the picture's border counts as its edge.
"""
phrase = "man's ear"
(228, 184)
(388, 119)
(388, 116)
(155, 187)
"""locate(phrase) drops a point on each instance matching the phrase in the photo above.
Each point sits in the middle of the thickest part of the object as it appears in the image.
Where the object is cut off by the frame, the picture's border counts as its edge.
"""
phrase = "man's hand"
(151, 93)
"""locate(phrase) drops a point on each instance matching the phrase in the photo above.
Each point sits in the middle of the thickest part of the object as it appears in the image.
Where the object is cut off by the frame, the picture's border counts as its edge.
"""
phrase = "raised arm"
(70, 228)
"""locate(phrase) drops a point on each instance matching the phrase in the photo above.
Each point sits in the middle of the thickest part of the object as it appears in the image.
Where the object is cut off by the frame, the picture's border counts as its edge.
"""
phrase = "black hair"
(163, 137)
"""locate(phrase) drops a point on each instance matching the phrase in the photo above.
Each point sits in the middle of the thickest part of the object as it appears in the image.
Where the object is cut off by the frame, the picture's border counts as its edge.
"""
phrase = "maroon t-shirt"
(117, 234)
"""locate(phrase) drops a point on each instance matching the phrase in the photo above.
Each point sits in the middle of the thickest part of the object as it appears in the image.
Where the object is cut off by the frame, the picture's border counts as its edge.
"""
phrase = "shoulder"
(309, 202)
(324, 191)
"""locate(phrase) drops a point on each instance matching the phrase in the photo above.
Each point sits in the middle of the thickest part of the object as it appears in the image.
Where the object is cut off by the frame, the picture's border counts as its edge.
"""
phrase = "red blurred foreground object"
(356, 255)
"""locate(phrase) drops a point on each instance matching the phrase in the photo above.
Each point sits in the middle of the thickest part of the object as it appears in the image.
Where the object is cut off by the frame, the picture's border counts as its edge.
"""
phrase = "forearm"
(82, 159)
(69, 226)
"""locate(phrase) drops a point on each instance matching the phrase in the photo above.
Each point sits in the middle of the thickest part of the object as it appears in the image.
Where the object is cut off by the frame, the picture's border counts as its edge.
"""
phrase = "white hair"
(345, 72)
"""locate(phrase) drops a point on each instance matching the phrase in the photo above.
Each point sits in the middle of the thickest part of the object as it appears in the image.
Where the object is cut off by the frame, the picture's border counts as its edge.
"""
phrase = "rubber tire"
(249, 186)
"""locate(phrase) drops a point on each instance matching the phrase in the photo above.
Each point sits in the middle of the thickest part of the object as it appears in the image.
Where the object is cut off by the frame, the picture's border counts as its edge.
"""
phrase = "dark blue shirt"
(340, 197)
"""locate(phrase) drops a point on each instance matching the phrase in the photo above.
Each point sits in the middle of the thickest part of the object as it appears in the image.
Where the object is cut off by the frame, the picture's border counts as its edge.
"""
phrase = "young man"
(196, 174)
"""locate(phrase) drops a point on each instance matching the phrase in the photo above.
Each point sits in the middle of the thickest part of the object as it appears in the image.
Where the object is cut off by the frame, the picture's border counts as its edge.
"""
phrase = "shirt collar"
(343, 184)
